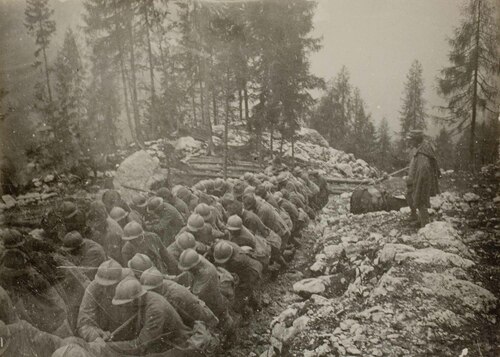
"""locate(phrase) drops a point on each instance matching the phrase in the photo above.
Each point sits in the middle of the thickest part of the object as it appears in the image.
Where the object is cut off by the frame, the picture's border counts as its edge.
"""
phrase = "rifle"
(137, 189)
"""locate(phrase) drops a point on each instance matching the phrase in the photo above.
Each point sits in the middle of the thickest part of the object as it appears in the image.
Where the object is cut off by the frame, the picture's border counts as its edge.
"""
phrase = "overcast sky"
(378, 40)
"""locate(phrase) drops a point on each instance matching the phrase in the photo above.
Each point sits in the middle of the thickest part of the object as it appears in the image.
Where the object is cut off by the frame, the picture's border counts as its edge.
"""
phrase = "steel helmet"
(195, 222)
(132, 230)
(222, 252)
(234, 223)
(219, 183)
(118, 213)
(68, 209)
(249, 201)
(188, 259)
(261, 191)
(108, 273)
(12, 239)
(139, 200)
(209, 185)
(278, 196)
(139, 262)
(151, 278)
(127, 291)
(249, 190)
(185, 240)
(71, 350)
(72, 240)
(154, 203)
(183, 193)
(247, 176)
(14, 261)
(203, 210)
(164, 193)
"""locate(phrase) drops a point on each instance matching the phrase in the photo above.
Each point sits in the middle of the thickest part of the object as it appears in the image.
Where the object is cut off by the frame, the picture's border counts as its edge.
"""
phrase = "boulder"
(389, 251)
(460, 292)
(434, 256)
(333, 251)
(442, 235)
(140, 170)
(9, 201)
(187, 143)
(471, 197)
(307, 287)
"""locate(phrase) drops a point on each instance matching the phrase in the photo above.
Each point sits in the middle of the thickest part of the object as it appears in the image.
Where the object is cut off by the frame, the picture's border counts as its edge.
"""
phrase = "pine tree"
(334, 112)
(40, 25)
(468, 83)
(412, 112)
(384, 147)
(70, 129)
(444, 149)
(361, 140)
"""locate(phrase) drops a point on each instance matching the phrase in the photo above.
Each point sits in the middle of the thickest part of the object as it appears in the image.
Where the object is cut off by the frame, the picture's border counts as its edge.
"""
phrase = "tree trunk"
(226, 124)
(474, 95)
(240, 103)
(245, 96)
(135, 105)
(46, 64)
(281, 145)
(214, 106)
(293, 151)
(154, 126)
(271, 130)
(193, 104)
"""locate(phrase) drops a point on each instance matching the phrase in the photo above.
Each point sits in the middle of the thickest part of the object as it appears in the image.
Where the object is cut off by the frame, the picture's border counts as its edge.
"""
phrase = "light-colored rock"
(49, 178)
(461, 292)
(309, 286)
(390, 250)
(333, 251)
(471, 197)
(442, 235)
(388, 283)
(140, 170)
(9, 201)
(434, 256)
(405, 210)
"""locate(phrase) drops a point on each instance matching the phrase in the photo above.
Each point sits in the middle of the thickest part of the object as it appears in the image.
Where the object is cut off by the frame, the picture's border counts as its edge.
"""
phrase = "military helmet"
(188, 259)
(127, 291)
(223, 251)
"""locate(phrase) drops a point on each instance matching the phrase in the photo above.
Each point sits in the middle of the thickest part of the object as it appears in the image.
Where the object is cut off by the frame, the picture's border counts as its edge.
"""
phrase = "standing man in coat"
(423, 174)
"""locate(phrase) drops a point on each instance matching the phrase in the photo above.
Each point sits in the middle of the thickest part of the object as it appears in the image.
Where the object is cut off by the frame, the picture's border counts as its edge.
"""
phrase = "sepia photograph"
(249, 178)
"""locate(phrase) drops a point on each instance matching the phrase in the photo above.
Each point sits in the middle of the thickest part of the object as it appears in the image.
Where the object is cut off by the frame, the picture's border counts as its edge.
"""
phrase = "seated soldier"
(148, 243)
(249, 272)
(98, 317)
(188, 305)
(83, 252)
(239, 234)
(139, 263)
(105, 230)
(154, 326)
(164, 220)
(205, 284)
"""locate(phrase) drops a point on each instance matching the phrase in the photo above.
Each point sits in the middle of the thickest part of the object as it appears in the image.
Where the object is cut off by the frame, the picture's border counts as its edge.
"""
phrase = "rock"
(346, 195)
(333, 251)
(461, 292)
(187, 143)
(37, 182)
(353, 351)
(496, 199)
(48, 178)
(307, 287)
(140, 170)
(389, 251)
(405, 210)
(442, 235)
(388, 283)
(9, 201)
(471, 197)
(346, 169)
(434, 256)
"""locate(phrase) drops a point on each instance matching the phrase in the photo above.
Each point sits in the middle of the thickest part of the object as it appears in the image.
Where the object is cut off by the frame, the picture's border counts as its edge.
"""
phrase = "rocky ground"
(370, 285)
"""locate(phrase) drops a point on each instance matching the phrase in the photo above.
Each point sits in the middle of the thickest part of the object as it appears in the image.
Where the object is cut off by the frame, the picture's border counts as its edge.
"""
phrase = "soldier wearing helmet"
(249, 271)
(157, 326)
(205, 284)
(175, 201)
(188, 305)
(163, 219)
(105, 230)
(139, 241)
(98, 317)
(83, 252)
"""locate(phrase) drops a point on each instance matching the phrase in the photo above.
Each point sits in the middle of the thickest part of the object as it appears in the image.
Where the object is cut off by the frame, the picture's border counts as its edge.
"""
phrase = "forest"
(140, 70)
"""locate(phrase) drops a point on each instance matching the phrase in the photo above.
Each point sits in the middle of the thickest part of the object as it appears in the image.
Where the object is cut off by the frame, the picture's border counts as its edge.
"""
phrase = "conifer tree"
(412, 112)
(468, 83)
